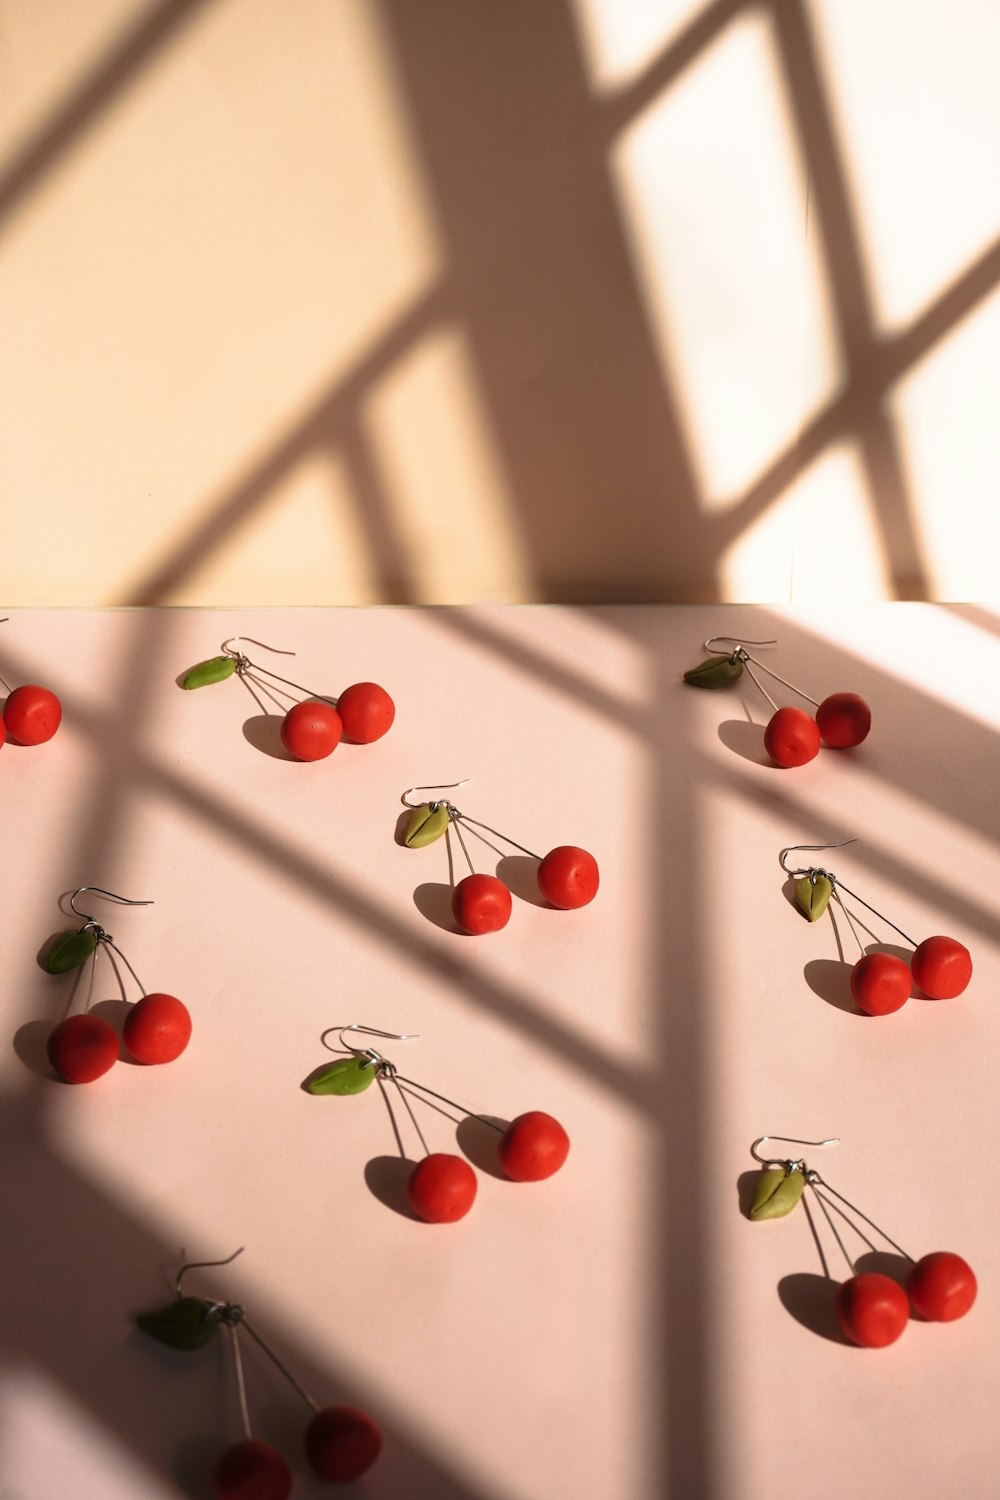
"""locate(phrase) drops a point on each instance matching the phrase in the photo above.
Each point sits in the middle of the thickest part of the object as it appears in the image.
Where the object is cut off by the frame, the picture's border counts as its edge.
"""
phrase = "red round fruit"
(367, 712)
(157, 1029)
(872, 1310)
(251, 1470)
(32, 714)
(792, 737)
(481, 903)
(311, 730)
(82, 1048)
(844, 720)
(941, 967)
(532, 1147)
(568, 877)
(441, 1188)
(881, 983)
(942, 1286)
(342, 1443)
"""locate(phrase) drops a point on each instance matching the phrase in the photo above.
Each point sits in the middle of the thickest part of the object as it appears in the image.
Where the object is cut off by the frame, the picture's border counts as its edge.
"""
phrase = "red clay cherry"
(311, 730)
(157, 1029)
(941, 967)
(792, 737)
(942, 1286)
(881, 983)
(32, 714)
(872, 1310)
(82, 1048)
(532, 1147)
(844, 720)
(251, 1470)
(367, 712)
(481, 903)
(442, 1188)
(568, 877)
(341, 1443)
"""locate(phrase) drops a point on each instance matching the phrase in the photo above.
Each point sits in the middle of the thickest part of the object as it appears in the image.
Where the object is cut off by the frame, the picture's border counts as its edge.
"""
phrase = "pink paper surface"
(620, 1331)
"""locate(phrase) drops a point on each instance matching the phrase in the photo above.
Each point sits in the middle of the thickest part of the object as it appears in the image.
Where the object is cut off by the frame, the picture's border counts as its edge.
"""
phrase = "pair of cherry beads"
(84, 1047)
(567, 876)
(341, 1442)
(313, 728)
(442, 1187)
(872, 1309)
(881, 983)
(792, 736)
(31, 714)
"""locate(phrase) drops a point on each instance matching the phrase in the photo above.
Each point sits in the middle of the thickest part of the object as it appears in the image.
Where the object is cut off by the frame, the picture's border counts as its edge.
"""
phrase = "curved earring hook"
(197, 1265)
(227, 646)
(810, 849)
(734, 640)
(440, 786)
(100, 891)
(790, 1140)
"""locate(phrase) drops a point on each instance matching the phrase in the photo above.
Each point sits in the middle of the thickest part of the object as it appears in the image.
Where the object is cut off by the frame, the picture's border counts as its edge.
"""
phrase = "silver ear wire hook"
(245, 668)
(100, 891)
(369, 1056)
(738, 641)
(198, 1265)
(227, 646)
(789, 1140)
(811, 849)
(440, 786)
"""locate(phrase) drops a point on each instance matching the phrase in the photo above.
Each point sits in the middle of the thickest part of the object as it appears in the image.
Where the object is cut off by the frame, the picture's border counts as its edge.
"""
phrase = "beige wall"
(334, 301)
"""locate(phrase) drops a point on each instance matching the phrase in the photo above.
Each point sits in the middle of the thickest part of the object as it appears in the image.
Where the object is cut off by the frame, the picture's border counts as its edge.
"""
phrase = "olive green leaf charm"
(777, 1193)
(351, 1075)
(813, 896)
(716, 672)
(216, 670)
(425, 825)
(69, 951)
(188, 1323)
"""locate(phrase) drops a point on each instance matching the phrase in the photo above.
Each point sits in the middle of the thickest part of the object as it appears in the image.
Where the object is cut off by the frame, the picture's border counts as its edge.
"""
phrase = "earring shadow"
(30, 1044)
(387, 1178)
(263, 732)
(830, 979)
(433, 901)
(811, 1299)
(747, 741)
(114, 1012)
(519, 874)
(478, 1141)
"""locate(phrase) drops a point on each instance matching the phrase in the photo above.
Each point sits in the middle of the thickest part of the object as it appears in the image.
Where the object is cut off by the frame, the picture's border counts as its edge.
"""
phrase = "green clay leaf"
(188, 1323)
(69, 951)
(216, 670)
(777, 1193)
(425, 825)
(813, 896)
(348, 1076)
(717, 672)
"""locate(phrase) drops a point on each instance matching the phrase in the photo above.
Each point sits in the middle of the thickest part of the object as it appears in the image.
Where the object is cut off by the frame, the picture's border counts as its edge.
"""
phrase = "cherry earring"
(341, 1442)
(872, 1308)
(83, 1047)
(312, 728)
(442, 1187)
(31, 714)
(881, 982)
(567, 876)
(792, 737)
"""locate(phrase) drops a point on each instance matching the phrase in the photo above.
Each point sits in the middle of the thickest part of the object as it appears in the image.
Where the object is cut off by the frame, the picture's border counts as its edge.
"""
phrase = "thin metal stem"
(124, 960)
(274, 693)
(241, 1390)
(244, 678)
(295, 1384)
(496, 834)
(854, 895)
(409, 1110)
(471, 1113)
(850, 922)
(758, 684)
(392, 1116)
(323, 697)
(453, 820)
(847, 1220)
(854, 1209)
(771, 673)
(816, 1240)
(6, 684)
(833, 1229)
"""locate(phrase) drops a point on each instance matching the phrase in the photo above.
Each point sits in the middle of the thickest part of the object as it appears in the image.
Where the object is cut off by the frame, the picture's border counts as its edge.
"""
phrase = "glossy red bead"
(157, 1029)
(533, 1147)
(341, 1443)
(881, 983)
(32, 714)
(481, 903)
(843, 720)
(942, 967)
(568, 877)
(311, 730)
(872, 1310)
(442, 1188)
(942, 1286)
(251, 1470)
(82, 1048)
(367, 712)
(791, 737)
